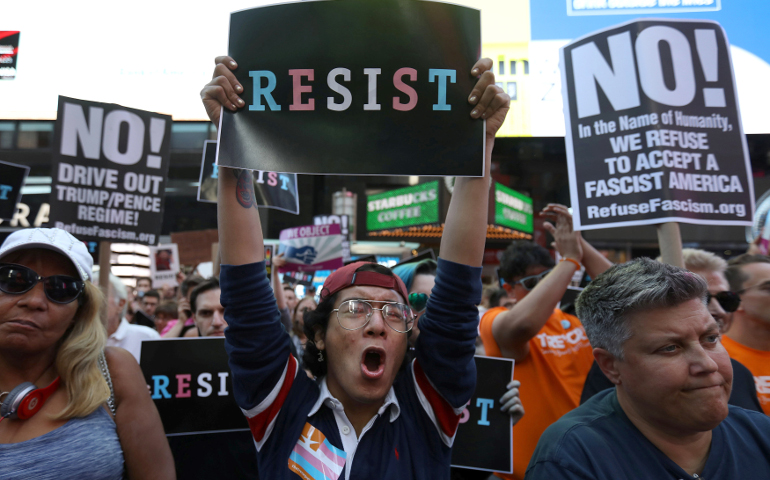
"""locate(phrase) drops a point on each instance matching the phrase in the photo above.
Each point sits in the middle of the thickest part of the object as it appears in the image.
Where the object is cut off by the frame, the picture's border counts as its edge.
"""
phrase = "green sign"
(405, 207)
(512, 209)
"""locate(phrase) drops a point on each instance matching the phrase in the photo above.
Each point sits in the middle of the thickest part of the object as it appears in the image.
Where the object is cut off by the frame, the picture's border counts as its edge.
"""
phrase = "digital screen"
(404, 207)
(512, 209)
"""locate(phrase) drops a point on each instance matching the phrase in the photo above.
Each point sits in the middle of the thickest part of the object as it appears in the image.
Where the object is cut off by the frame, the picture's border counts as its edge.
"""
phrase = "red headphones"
(26, 400)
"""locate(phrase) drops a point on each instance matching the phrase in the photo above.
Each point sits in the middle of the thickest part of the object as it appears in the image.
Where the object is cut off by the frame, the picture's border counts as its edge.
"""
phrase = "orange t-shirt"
(758, 363)
(551, 375)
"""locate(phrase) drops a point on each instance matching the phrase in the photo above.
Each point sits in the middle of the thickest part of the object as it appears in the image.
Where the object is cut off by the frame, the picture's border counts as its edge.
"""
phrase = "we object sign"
(355, 87)
(653, 128)
(12, 178)
(272, 189)
(484, 438)
(109, 169)
(311, 247)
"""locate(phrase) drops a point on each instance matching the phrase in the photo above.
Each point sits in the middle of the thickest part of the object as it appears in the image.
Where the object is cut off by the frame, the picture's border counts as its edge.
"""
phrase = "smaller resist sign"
(512, 209)
(405, 207)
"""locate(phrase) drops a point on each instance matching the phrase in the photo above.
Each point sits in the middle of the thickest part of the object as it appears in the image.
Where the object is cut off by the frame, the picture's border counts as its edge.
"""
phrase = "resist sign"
(653, 127)
(272, 189)
(109, 170)
(355, 87)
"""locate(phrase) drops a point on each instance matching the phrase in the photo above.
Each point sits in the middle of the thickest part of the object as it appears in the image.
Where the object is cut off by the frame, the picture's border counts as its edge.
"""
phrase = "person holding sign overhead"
(369, 414)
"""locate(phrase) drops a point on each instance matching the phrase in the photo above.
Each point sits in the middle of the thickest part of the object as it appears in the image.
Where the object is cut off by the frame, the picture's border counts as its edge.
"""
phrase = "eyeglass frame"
(369, 316)
(539, 277)
(39, 278)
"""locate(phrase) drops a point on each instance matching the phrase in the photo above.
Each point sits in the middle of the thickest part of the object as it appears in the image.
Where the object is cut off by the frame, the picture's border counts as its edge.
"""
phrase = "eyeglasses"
(728, 300)
(355, 314)
(528, 283)
(418, 301)
(18, 279)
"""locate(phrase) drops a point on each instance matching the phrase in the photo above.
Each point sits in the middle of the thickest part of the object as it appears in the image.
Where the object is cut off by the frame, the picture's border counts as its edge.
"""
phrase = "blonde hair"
(695, 259)
(77, 361)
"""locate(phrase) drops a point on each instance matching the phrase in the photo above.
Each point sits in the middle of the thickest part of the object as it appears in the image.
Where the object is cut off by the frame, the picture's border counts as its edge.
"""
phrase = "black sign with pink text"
(355, 87)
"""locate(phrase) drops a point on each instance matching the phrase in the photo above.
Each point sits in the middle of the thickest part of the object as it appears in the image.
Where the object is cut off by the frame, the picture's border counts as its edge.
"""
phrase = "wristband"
(567, 259)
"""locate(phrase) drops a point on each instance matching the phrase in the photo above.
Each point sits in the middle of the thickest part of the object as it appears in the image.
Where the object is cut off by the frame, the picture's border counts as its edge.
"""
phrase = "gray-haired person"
(667, 417)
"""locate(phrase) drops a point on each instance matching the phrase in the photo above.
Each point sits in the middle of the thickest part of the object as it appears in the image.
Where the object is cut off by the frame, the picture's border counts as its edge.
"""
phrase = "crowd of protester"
(658, 372)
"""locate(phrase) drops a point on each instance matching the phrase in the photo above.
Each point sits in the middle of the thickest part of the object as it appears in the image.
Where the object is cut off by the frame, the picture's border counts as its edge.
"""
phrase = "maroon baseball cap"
(353, 274)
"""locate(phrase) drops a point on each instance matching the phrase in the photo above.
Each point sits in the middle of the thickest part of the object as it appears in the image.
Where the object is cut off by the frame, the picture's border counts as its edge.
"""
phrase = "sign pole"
(670, 242)
(105, 249)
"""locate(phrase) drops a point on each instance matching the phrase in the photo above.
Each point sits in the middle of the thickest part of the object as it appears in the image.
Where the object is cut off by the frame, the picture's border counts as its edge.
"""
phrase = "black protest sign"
(12, 178)
(190, 382)
(653, 127)
(355, 87)
(110, 165)
(9, 54)
(273, 189)
(484, 438)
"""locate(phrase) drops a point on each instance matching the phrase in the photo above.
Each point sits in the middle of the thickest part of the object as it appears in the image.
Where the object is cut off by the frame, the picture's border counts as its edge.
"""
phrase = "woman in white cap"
(70, 408)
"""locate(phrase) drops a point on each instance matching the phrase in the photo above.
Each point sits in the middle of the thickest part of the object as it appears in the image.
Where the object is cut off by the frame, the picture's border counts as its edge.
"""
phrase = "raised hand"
(566, 241)
(222, 90)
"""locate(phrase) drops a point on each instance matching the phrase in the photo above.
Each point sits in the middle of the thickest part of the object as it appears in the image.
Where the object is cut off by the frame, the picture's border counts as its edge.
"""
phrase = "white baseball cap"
(54, 239)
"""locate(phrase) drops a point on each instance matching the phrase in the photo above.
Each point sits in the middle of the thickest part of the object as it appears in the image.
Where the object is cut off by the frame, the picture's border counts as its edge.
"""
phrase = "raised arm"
(236, 204)
(513, 329)
(465, 230)
(250, 310)
(449, 327)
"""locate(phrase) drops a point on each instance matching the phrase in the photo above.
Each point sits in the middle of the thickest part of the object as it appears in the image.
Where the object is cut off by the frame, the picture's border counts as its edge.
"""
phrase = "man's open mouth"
(373, 362)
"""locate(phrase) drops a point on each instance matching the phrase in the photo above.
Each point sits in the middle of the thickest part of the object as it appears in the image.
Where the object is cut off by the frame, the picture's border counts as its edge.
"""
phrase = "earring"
(320, 355)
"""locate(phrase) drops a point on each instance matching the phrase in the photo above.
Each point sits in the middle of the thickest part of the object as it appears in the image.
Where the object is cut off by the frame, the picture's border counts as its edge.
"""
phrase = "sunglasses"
(728, 300)
(18, 279)
(528, 283)
(418, 301)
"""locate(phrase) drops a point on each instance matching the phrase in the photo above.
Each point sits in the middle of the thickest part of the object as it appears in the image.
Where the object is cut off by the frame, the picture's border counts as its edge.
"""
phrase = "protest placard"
(311, 247)
(110, 165)
(653, 129)
(9, 54)
(484, 438)
(355, 87)
(164, 265)
(344, 223)
(273, 189)
(190, 383)
(12, 178)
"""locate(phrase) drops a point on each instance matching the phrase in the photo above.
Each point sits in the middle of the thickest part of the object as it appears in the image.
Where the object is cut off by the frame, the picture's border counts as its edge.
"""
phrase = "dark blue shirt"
(277, 397)
(597, 441)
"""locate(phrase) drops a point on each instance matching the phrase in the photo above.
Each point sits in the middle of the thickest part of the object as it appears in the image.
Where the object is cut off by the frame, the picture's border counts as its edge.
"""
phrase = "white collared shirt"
(130, 337)
(347, 432)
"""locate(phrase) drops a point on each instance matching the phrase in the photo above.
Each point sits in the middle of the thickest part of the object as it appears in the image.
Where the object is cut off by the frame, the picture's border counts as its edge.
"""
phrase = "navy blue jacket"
(597, 441)
(276, 396)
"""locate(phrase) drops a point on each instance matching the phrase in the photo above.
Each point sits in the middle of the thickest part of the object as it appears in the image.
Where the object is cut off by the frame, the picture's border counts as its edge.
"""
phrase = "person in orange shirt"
(748, 340)
(550, 347)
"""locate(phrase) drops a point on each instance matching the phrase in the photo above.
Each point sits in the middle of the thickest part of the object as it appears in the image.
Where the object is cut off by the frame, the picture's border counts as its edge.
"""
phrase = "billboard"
(512, 209)
(403, 207)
